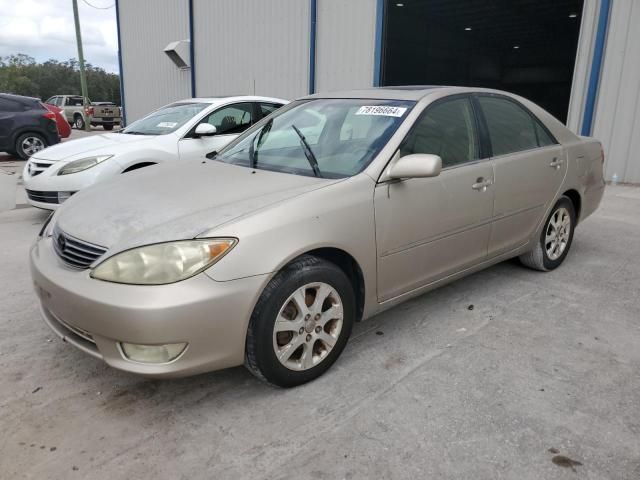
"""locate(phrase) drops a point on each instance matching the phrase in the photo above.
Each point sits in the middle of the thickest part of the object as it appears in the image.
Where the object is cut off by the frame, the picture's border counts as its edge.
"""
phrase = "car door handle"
(555, 163)
(482, 184)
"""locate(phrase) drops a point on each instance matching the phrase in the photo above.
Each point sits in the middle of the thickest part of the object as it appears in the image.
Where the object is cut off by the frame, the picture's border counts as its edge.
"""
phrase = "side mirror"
(416, 165)
(205, 130)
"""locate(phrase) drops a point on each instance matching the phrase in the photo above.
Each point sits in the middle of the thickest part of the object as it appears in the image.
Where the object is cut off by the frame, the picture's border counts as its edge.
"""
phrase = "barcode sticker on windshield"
(167, 124)
(382, 110)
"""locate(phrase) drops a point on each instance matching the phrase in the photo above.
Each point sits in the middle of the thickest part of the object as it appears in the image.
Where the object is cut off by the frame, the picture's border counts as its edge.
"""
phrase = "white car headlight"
(82, 164)
(163, 262)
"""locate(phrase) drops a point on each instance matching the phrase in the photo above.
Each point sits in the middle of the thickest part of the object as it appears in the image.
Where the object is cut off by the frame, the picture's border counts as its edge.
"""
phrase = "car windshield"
(166, 119)
(329, 138)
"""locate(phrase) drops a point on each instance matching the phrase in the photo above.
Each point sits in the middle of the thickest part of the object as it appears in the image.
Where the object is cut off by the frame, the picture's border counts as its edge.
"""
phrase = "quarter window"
(233, 119)
(544, 139)
(511, 127)
(445, 129)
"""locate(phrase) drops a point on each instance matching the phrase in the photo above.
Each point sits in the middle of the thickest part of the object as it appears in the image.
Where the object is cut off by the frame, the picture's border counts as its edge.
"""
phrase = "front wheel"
(555, 240)
(301, 323)
(78, 122)
(107, 127)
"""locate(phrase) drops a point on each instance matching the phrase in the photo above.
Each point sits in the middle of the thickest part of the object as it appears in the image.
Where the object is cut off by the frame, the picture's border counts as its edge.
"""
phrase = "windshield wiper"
(308, 152)
(253, 148)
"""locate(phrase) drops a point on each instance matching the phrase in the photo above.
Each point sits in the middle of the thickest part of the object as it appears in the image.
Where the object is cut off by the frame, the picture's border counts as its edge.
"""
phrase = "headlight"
(163, 262)
(82, 164)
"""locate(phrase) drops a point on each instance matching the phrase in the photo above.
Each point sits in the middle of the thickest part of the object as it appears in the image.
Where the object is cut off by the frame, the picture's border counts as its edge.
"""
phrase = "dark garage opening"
(526, 47)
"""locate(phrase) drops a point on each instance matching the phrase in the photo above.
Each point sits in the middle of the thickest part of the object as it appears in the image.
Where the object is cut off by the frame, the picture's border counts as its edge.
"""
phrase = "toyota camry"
(327, 212)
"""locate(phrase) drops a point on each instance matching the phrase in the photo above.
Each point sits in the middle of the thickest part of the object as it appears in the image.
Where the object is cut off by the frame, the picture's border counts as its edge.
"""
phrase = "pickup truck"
(98, 113)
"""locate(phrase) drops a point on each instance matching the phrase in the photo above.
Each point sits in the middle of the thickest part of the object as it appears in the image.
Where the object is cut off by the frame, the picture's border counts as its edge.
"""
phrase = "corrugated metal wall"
(617, 116)
(582, 69)
(251, 47)
(150, 78)
(345, 44)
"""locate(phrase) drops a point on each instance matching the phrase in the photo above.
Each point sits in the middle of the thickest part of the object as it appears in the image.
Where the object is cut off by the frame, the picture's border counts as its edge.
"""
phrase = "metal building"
(580, 59)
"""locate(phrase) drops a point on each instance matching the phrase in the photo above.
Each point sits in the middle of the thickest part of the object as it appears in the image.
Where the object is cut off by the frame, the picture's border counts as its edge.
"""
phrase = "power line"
(99, 8)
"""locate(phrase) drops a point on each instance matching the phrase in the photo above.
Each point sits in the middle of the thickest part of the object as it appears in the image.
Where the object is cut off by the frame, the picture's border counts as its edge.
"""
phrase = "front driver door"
(429, 228)
(230, 121)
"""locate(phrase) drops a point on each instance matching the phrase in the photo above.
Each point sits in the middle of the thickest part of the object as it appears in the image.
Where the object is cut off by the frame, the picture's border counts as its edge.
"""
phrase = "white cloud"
(44, 29)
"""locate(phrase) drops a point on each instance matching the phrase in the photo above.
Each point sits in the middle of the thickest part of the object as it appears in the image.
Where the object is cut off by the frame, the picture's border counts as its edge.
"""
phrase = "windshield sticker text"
(381, 110)
(167, 124)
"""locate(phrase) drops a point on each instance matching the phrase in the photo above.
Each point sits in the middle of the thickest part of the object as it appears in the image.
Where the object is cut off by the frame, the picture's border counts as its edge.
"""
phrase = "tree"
(22, 75)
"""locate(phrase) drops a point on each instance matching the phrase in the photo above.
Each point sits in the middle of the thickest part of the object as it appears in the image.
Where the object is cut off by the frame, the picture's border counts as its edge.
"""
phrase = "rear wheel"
(78, 121)
(28, 144)
(555, 240)
(301, 323)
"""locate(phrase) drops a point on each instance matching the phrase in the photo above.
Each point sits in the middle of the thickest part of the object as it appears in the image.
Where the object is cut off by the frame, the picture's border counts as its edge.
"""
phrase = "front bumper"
(93, 315)
(46, 189)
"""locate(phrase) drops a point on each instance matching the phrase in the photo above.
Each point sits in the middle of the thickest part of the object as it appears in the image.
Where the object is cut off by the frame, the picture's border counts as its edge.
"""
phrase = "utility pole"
(83, 78)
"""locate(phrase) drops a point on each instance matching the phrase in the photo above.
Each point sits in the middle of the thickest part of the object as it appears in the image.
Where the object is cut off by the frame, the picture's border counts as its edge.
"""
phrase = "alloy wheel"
(308, 326)
(31, 145)
(557, 233)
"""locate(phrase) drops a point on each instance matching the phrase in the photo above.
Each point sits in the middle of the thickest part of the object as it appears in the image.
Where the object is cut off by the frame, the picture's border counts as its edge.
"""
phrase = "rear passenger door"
(429, 228)
(9, 110)
(529, 164)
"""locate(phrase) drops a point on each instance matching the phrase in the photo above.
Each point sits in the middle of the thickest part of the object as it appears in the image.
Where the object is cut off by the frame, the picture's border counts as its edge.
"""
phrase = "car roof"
(401, 92)
(232, 98)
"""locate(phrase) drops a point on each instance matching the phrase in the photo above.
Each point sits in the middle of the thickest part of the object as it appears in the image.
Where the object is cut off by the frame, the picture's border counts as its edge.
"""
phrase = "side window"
(544, 139)
(74, 101)
(7, 105)
(446, 129)
(268, 108)
(511, 128)
(233, 119)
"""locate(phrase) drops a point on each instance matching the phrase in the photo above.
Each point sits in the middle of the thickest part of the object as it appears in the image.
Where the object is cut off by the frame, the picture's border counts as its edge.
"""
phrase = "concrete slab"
(430, 389)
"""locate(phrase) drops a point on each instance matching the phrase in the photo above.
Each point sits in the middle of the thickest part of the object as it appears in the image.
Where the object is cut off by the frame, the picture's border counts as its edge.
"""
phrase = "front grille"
(44, 197)
(36, 166)
(48, 197)
(73, 251)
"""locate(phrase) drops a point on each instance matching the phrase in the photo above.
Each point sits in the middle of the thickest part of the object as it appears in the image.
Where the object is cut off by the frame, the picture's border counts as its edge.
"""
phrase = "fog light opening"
(62, 196)
(152, 353)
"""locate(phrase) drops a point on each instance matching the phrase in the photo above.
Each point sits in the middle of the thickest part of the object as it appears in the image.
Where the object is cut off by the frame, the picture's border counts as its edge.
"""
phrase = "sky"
(44, 29)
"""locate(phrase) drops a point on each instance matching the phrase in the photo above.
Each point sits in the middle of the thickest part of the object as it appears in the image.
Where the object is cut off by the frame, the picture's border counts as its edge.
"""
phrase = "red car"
(63, 126)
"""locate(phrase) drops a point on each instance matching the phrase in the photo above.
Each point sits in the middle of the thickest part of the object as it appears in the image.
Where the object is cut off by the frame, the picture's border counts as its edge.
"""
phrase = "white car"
(184, 129)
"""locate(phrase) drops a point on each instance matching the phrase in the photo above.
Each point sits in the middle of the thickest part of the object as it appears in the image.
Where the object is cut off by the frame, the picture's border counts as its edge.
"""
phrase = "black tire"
(107, 127)
(13, 153)
(260, 357)
(78, 121)
(35, 138)
(538, 258)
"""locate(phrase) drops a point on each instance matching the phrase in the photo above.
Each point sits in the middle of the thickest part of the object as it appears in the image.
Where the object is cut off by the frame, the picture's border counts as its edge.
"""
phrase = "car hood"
(174, 201)
(104, 144)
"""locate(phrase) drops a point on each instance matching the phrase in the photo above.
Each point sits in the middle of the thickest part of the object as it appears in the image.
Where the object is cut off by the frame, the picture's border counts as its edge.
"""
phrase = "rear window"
(511, 127)
(7, 105)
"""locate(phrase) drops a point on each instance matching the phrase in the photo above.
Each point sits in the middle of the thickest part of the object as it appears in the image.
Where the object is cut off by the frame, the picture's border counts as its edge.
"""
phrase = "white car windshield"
(166, 119)
(329, 138)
